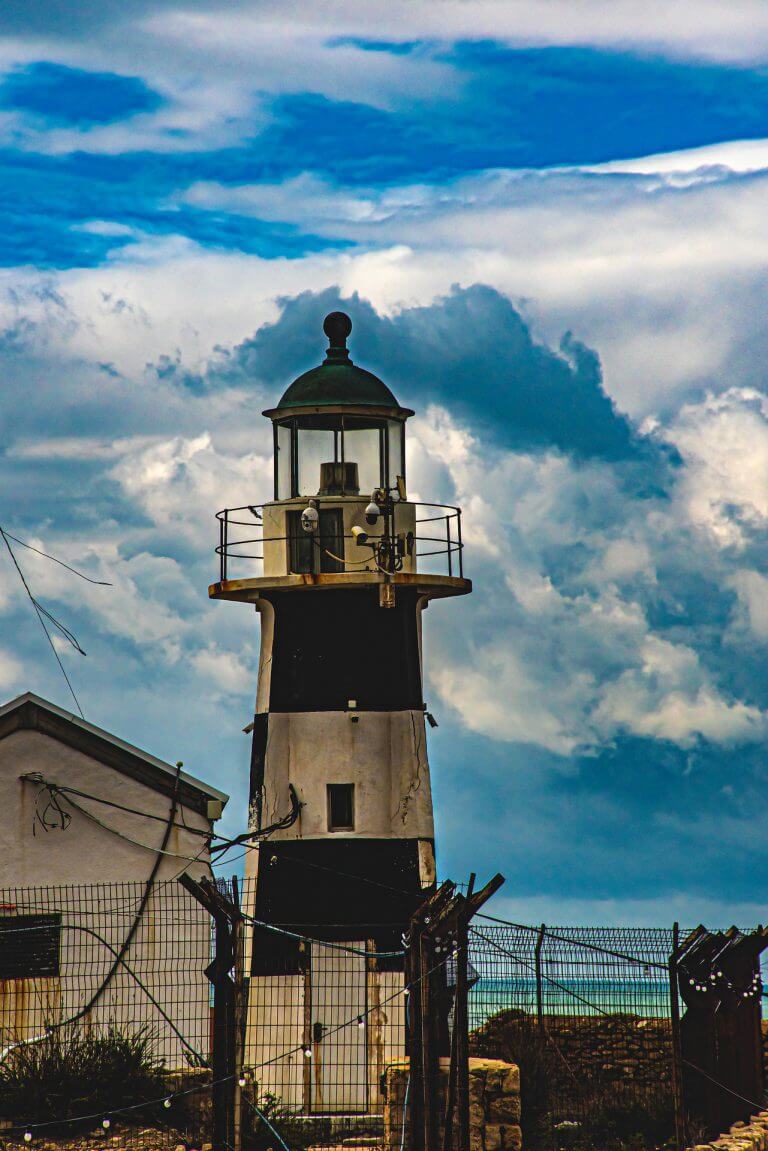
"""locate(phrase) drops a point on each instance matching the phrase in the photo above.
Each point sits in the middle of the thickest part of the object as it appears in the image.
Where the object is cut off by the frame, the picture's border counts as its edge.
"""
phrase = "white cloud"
(724, 442)
(180, 483)
(752, 589)
(665, 698)
(226, 672)
(683, 268)
(568, 663)
(710, 161)
(12, 672)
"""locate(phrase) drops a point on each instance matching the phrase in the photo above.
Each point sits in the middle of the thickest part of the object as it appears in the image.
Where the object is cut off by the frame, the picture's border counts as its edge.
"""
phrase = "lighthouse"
(340, 565)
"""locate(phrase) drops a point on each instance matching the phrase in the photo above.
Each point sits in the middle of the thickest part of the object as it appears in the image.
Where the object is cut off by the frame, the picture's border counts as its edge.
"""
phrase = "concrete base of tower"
(324, 1021)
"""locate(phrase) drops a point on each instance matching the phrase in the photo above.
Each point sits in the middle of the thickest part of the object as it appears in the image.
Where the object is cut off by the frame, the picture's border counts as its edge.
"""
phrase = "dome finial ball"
(337, 326)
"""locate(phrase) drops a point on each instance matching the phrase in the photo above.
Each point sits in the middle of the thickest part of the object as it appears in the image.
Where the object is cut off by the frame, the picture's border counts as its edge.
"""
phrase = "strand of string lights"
(166, 1099)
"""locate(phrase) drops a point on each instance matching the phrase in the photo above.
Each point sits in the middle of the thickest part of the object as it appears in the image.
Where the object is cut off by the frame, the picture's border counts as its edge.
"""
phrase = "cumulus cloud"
(618, 612)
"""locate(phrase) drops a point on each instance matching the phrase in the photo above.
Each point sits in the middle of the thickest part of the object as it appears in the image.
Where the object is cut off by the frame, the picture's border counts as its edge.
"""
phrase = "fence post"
(430, 1052)
(539, 977)
(415, 1055)
(225, 915)
(461, 1024)
(239, 1012)
(677, 1076)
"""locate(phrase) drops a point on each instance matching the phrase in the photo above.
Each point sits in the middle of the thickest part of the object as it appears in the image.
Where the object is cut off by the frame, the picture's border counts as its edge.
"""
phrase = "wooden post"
(224, 1068)
(415, 1054)
(443, 918)
(429, 1048)
(239, 1013)
(461, 1024)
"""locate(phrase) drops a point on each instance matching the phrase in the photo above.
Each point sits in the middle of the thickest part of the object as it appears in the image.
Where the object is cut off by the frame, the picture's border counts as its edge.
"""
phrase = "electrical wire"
(322, 942)
(88, 579)
(724, 1086)
(40, 612)
(36, 777)
(279, 825)
(161, 851)
(405, 1111)
(141, 908)
(225, 845)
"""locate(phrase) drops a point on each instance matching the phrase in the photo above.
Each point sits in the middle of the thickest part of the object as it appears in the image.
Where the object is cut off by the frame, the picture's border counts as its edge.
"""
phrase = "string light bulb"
(241, 1081)
(307, 1052)
(167, 1102)
(360, 1021)
(106, 1122)
(27, 1136)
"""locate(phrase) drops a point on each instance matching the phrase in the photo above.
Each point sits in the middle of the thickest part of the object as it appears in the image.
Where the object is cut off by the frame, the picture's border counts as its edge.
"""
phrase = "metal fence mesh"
(585, 1012)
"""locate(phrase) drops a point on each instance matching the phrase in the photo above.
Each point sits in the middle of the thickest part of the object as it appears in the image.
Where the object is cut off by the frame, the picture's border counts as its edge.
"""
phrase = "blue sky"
(548, 223)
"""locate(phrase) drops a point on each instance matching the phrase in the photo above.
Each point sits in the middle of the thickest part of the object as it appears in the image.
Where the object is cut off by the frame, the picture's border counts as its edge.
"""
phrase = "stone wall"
(752, 1136)
(494, 1104)
(128, 1139)
(611, 1050)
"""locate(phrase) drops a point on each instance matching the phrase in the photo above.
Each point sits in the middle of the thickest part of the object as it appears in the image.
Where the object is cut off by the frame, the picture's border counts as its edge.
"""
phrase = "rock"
(502, 1137)
(511, 1084)
(476, 1115)
(505, 1109)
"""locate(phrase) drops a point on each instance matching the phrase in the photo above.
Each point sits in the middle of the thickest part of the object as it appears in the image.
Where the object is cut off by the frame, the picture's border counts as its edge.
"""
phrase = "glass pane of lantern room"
(396, 460)
(315, 447)
(283, 463)
(362, 445)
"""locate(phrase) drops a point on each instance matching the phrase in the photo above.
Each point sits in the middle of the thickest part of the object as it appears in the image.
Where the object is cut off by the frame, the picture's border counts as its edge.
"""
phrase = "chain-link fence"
(585, 1012)
(112, 1004)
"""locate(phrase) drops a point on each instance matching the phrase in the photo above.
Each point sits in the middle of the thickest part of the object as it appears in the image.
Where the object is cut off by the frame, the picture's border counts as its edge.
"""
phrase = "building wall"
(384, 754)
(163, 974)
(95, 880)
(85, 852)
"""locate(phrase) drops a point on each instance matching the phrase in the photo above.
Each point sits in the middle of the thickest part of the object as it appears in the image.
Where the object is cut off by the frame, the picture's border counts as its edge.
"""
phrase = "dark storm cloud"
(471, 350)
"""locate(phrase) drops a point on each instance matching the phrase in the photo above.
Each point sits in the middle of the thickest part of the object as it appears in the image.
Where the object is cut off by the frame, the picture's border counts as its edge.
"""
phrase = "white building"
(93, 923)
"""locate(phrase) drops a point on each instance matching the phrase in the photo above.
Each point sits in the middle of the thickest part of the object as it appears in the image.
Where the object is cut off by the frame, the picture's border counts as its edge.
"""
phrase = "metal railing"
(437, 538)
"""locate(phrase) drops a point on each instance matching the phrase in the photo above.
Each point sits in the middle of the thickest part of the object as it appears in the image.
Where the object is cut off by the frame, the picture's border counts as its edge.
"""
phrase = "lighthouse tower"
(340, 565)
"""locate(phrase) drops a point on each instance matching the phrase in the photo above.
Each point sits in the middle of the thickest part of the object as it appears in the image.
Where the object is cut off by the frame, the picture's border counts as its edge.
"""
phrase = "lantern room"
(338, 429)
(340, 512)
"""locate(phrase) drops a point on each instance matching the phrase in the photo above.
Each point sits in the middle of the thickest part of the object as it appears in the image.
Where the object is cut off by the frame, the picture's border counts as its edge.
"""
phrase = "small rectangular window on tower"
(341, 807)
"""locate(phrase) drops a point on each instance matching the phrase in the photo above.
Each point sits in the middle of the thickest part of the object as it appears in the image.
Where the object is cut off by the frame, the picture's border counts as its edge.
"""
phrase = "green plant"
(74, 1072)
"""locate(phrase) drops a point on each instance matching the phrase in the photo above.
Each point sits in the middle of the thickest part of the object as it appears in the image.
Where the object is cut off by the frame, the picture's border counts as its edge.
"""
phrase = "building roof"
(29, 712)
(337, 381)
(337, 384)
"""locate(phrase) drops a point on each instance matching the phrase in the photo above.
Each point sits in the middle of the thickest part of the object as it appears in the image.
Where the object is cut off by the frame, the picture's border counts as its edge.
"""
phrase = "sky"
(547, 220)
